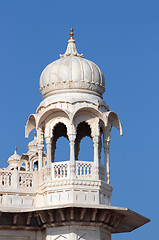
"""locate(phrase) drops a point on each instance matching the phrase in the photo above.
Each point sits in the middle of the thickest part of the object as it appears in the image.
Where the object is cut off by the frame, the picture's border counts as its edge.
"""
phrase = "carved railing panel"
(25, 179)
(5, 178)
(84, 169)
(60, 170)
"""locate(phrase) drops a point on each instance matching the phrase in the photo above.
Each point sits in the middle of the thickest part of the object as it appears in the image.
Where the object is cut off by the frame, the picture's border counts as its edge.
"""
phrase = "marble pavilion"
(45, 199)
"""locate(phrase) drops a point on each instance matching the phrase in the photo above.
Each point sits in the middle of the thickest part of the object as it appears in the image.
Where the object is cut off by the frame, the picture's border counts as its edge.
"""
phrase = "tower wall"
(17, 234)
(74, 232)
(78, 232)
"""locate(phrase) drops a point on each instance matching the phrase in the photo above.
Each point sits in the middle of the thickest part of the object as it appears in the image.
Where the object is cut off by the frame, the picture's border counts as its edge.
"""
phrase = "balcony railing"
(6, 178)
(29, 180)
(13, 179)
(25, 179)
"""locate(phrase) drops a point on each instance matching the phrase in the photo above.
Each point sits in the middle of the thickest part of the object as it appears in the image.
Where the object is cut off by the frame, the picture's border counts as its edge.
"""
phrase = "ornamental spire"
(15, 151)
(71, 47)
(71, 33)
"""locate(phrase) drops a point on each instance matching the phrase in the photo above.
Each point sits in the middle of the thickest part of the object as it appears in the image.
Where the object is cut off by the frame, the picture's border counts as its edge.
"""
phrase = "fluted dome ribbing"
(72, 71)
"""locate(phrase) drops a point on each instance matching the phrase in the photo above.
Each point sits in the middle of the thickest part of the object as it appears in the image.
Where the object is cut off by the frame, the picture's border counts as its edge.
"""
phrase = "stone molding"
(113, 219)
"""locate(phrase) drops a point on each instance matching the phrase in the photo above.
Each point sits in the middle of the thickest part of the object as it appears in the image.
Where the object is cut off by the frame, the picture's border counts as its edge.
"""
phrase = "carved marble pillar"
(31, 165)
(27, 166)
(40, 144)
(106, 159)
(96, 156)
(72, 138)
(40, 156)
(48, 147)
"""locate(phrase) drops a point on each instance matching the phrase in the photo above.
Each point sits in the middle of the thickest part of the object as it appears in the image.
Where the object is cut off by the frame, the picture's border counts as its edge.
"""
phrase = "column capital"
(106, 145)
(96, 139)
(107, 141)
(107, 137)
(72, 137)
(40, 146)
(40, 135)
(48, 140)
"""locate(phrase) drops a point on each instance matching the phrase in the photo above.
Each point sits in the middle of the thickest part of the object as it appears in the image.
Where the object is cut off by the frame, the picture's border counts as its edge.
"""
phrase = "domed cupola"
(14, 160)
(72, 72)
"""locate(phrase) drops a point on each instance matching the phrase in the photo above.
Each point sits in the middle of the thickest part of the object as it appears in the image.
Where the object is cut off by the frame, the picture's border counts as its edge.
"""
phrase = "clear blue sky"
(122, 38)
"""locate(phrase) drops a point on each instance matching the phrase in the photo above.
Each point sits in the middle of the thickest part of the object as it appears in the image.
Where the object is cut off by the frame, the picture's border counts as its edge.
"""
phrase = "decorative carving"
(36, 214)
(60, 170)
(29, 215)
(43, 216)
(72, 213)
(25, 179)
(82, 212)
(93, 214)
(15, 217)
(83, 169)
(61, 211)
(51, 216)
(5, 178)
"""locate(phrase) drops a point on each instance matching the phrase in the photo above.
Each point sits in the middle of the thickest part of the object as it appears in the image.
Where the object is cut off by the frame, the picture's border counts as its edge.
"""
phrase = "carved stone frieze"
(62, 217)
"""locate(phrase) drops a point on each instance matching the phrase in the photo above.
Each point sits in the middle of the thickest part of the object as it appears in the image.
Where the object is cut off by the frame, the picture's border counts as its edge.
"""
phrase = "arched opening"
(23, 167)
(35, 165)
(86, 152)
(60, 144)
(62, 152)
(83, 143)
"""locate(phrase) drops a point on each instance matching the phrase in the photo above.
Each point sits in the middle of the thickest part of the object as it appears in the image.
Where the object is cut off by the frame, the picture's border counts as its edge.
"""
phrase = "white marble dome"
(14, 160)
(72, 71)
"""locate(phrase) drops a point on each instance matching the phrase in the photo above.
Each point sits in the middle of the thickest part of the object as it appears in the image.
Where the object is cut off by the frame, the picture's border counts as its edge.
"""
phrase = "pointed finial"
(71, 33)
(71, 47)
(15, 149)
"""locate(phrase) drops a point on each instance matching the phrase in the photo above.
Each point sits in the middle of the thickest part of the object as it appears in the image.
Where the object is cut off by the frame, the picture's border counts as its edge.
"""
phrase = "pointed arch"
(53, 122)
(24, 159)
(58, 131)
(30, 125)
(91, 118)
(114, 120)
(91, 111)
(50, 111)
(83, 131)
